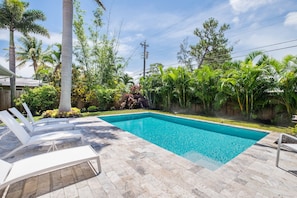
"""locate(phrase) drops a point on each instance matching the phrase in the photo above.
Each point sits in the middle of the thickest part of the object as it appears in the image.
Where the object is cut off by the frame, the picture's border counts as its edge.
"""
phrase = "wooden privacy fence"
(5, 98)
(20, 84)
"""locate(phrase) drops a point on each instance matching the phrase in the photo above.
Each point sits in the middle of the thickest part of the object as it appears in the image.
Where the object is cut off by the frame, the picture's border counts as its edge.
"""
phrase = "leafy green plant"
(39, 99)
(294, 130)
(105, 97)
(92, 109)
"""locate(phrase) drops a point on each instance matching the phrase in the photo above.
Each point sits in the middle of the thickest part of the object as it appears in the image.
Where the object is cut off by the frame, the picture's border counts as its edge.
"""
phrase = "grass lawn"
(254, 125)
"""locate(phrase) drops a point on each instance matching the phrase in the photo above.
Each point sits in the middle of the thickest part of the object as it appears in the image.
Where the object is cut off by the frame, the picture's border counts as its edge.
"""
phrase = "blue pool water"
(207, 144)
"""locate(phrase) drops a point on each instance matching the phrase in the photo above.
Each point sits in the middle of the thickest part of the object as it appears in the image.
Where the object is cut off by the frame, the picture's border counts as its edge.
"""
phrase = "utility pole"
(145, 55)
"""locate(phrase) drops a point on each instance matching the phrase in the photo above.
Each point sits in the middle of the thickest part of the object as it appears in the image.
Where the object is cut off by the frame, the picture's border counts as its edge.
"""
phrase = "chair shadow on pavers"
(49, 182)
(51, 172)
(293, 172)
(98, 136)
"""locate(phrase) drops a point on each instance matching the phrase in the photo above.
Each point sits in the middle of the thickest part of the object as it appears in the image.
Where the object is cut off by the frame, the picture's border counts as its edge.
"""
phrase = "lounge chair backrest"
(14, 126)
(22, 118)
(5, 168)
(28, 111)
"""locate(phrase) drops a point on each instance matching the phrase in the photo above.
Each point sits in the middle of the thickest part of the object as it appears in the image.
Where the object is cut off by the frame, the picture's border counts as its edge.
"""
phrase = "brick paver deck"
(133, 167)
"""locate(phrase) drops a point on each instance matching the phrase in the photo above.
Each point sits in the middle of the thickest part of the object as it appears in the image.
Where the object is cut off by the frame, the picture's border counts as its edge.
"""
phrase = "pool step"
(202, 160)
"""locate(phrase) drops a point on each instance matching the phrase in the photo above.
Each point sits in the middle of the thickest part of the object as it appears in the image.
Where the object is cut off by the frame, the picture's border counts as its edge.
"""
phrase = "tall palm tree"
(53, 59)
(248, 83)
(205, 85)
(31, 50)
(15, 17)
(65, 97)
(288, 84)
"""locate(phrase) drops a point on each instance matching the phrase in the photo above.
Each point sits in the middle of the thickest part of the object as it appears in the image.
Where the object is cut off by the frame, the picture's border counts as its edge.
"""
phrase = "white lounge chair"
(44, 120)
(27, 140)
(47, 162)
(32, 128)
(289, 146)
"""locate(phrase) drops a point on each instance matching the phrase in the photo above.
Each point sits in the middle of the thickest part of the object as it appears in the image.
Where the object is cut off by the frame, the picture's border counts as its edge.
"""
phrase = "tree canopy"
(212, 47)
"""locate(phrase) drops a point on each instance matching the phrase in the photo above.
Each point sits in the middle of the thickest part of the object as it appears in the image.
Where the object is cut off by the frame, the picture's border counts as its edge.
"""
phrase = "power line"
(274, 44)
(132, 54)
(281, 48)
(217, 58)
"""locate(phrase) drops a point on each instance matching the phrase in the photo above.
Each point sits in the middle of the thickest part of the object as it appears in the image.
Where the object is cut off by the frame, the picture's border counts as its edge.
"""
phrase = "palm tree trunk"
(239, 102)
(247, 103)
(66, 71)
(12, 67)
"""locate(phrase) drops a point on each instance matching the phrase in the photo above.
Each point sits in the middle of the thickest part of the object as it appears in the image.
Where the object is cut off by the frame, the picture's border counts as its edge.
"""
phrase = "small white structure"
(294, 118)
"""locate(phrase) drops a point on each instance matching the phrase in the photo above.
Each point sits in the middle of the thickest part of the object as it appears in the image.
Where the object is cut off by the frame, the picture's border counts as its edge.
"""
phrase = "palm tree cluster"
(247, 86)
(16, 17)
(97, 77)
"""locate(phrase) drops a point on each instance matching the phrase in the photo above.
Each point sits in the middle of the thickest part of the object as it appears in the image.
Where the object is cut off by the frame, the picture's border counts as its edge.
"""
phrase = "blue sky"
(164, 24)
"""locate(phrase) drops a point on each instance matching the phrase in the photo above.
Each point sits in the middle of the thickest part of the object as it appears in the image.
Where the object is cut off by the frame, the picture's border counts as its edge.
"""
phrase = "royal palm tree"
(31, 50)
(66, 74)
(126, 79)
(15, 17)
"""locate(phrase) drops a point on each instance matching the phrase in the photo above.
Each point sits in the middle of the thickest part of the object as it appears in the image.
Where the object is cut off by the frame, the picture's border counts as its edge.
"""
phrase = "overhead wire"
(270, 45)
(169, 29)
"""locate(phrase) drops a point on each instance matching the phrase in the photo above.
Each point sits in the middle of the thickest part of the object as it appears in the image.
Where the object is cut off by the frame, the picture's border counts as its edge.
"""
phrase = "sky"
(267, 25)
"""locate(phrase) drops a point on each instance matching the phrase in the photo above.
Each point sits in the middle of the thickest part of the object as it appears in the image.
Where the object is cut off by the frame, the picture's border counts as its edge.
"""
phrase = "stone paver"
(133, 167)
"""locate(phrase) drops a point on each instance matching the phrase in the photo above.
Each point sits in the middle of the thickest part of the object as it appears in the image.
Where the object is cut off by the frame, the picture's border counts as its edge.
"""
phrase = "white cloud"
(26, 71)
(270, 40)
(4, 35)
(149, 21)
(246, 5)
(4, 62)
(54, 38)
(235, 20)
(291, 19)
(125, 50)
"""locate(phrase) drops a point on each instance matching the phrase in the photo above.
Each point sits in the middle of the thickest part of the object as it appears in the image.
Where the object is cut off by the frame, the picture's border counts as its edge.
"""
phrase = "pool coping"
(201, 120)
(152, 114)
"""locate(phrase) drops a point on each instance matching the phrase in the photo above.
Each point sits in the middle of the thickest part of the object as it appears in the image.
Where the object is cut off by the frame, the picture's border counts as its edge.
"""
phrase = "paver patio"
(133, 167)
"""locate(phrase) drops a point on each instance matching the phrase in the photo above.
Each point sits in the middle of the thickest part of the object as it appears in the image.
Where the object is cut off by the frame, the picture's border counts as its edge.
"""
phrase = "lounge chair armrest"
(282, 135)
(291, 146)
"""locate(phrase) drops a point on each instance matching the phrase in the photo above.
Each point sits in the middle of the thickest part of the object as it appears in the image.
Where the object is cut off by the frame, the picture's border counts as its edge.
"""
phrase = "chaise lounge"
(28, 140)
(47, 162)
(44, 120)
(289, 145)
(40, 128)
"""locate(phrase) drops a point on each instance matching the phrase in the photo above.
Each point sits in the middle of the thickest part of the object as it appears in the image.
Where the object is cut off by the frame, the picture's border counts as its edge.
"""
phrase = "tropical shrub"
(294, 130)
(39, 99)
(92, 109)
(75, 112)
(134, 99)
(105, 97)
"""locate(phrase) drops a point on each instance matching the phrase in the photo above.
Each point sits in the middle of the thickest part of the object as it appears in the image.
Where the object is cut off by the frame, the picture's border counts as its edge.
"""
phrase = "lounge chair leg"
(99, 165)
(52, 147)
(82, 140)
(278, 149)
(55, 147)
(5, 191)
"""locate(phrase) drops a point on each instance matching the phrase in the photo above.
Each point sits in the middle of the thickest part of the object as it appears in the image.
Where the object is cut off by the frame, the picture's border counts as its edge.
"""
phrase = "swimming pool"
(206, 144)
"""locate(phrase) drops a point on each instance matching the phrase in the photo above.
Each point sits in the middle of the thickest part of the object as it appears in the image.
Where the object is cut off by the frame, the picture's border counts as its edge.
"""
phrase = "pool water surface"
(206, 144)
